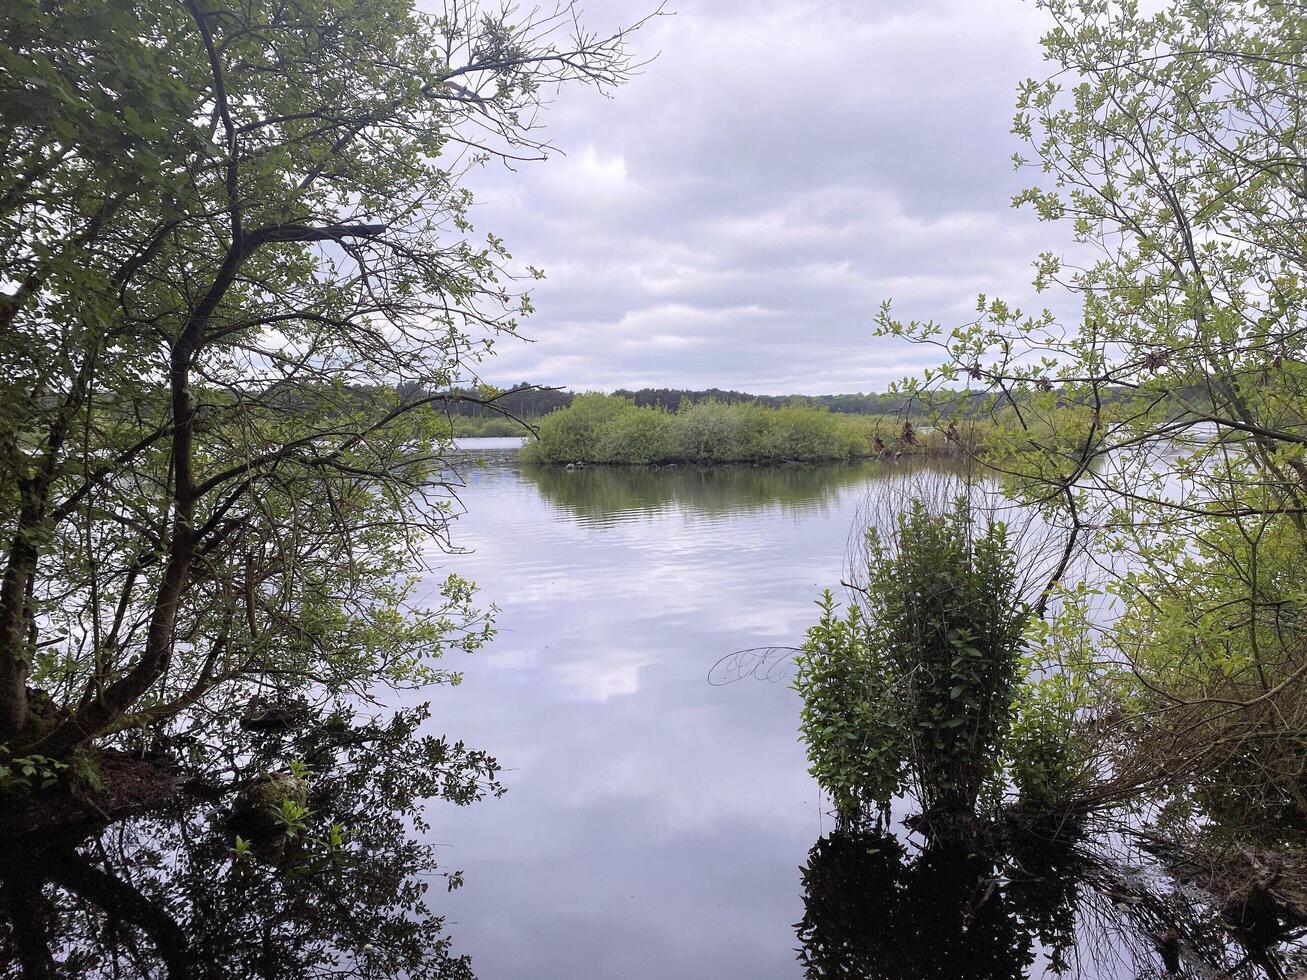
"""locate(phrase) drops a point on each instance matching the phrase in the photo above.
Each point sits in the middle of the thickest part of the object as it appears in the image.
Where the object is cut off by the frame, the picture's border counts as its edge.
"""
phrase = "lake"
(658, 822)
(657, 819)
(654, 823)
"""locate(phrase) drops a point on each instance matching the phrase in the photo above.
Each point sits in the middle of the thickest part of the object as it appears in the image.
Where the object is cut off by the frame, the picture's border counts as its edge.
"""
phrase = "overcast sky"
(736, 214)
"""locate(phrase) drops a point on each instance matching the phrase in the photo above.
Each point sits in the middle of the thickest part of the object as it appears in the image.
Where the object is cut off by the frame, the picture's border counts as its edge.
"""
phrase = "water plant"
(915, 689)
(947, 613)
(849, 720)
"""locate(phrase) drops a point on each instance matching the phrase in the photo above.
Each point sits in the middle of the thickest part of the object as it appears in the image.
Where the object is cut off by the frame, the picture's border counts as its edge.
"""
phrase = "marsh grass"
(609, 429)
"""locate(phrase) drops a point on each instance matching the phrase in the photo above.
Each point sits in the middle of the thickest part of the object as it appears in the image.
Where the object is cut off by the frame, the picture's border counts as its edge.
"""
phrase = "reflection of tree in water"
(869, 912)
(602, 494)
(872, 910)
(166, 896)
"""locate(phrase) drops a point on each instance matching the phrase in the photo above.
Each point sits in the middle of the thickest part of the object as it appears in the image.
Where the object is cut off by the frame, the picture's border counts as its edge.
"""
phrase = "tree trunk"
(16, 647)
(15, 652)
(113, 702)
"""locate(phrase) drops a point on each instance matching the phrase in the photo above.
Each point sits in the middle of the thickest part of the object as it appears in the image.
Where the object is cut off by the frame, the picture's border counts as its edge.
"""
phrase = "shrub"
(849, 721)
(947, 616)
(598, 428)
(1051, 761)
(711, 431)
(802, 433)
(573, 434)
(1045, 749)
(918, 690)
(1214, 631)
(636, 435)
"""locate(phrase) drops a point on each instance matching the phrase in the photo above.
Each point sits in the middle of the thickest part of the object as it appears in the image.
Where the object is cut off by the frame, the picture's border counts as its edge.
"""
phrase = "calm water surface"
(655, 823)
(658, 825)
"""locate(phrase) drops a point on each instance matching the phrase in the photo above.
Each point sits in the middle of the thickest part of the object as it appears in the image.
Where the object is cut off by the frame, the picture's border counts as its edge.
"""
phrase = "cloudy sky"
(735, 215)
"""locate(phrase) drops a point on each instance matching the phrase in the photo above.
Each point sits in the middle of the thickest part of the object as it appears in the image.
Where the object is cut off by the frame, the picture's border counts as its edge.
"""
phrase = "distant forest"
(528, 402)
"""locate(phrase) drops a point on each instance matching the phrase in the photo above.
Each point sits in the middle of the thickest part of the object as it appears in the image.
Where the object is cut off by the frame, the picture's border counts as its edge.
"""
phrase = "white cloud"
(736, 214)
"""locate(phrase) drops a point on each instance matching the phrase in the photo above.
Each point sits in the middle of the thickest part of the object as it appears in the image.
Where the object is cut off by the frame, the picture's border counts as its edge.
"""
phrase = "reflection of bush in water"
(600, 492)
(872, 910)
(870, 913)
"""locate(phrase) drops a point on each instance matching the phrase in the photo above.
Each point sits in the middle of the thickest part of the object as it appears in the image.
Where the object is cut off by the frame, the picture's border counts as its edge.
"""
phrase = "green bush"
(716, 432)
(947, 615)
(918, 690)
(1051, 760)
(574, 434)
(849, 721)
(598, 428)
(636, 435)
(1045, 750)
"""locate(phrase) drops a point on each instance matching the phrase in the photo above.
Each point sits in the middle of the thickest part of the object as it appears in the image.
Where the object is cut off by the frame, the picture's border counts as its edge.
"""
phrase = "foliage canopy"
(1171, 143)
(234, 241)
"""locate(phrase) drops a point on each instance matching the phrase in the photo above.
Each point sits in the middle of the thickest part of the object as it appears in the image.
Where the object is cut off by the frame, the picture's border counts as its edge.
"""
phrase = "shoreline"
(933, 454)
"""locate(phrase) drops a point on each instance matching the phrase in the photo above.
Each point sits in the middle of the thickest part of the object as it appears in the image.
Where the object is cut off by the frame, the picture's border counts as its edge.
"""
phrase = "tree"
(235, 243)
(1165, 433)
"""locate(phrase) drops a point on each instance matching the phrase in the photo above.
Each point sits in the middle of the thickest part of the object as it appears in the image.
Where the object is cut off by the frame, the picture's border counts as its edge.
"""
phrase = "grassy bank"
(598, 428)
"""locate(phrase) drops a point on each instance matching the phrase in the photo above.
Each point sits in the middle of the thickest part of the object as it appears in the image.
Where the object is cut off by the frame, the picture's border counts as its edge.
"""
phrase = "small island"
(612, 429)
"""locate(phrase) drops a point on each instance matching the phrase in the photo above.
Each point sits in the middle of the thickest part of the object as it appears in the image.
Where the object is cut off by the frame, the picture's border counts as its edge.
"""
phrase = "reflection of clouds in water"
(654, 823)
(617, 672)
(591, 649)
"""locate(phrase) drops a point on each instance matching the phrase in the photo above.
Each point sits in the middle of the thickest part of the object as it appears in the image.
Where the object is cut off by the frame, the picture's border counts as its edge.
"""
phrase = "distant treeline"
(482, 427)
(527, 402)
(856, 404)
(531, 403)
